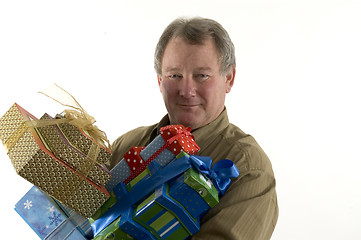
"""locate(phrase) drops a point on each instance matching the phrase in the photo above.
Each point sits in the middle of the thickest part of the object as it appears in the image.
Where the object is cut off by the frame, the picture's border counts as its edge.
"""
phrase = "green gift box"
(194, 191)
(124, 227)
(164, 217)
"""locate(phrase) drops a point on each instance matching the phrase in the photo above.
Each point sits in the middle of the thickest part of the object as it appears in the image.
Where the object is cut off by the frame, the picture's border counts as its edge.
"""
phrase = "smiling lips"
(187, 105)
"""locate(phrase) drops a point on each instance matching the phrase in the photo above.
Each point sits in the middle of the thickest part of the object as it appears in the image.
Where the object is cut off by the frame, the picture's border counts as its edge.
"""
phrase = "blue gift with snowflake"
(47, 221)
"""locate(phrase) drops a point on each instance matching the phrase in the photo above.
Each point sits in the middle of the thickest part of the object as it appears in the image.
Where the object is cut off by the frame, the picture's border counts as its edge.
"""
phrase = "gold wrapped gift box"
(34, 161)
(62, 148)
(84, 143)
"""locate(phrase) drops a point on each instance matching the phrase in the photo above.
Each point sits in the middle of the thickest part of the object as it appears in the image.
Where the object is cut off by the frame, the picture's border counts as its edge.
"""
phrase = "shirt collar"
(206, 134)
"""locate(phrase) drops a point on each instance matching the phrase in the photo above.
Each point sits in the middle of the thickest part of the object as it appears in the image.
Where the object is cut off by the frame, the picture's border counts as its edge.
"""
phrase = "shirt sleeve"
(249, 208)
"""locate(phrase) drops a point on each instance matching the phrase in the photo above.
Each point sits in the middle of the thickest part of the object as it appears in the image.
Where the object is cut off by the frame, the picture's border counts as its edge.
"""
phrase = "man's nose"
(187, 87)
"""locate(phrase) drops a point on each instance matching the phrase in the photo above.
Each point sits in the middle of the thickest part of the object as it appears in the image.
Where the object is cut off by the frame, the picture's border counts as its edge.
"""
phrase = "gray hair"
(196, 31)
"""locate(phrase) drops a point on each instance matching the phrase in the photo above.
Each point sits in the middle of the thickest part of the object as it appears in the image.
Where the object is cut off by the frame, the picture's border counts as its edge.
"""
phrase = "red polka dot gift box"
(163, 149)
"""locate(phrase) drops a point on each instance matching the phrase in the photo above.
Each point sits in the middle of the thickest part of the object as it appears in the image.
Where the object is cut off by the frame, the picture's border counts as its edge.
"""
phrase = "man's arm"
(249, 208)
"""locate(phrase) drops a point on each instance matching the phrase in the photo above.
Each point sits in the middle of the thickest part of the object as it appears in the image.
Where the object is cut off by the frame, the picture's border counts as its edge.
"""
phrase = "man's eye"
(175, 76)
(202, 77)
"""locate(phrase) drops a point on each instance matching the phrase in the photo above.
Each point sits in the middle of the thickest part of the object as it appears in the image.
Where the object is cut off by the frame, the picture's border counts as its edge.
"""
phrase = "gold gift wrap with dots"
(34, 161)
(84, 143)
(62, 148)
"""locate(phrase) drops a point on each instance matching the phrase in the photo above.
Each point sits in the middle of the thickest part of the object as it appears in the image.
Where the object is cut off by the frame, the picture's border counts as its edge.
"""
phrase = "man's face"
(192, 86)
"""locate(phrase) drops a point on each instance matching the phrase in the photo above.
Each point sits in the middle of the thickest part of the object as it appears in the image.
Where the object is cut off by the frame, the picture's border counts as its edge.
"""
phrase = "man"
(195, 66)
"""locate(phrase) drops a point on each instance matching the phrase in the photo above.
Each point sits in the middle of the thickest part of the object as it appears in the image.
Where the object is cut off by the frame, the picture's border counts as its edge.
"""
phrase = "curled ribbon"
(220, 176)
(76, 116)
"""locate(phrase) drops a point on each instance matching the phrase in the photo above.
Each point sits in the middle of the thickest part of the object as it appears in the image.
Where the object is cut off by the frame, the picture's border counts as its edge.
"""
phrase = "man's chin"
(189, 122)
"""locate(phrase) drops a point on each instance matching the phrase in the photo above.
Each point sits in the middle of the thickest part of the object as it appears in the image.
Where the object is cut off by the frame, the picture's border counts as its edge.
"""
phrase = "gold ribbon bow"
(76, 116)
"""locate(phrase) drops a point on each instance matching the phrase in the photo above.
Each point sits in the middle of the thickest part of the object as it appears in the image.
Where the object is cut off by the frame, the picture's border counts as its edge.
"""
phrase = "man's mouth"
(188, 105)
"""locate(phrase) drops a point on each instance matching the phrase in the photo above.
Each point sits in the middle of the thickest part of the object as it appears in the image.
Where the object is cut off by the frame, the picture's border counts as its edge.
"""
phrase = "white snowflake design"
(28, 204)
(51, 209)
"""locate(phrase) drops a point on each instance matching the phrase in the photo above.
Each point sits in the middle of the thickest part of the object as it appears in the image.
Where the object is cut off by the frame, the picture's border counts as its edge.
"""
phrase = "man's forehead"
(180, 55)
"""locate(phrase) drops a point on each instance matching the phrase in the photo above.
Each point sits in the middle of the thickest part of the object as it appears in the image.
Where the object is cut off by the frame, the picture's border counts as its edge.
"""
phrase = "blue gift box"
(124, 227)
(128, 225)
(164, 217)
(82, 223)
(163, 158)
(44, 217)
(119, 173)
(194, 191)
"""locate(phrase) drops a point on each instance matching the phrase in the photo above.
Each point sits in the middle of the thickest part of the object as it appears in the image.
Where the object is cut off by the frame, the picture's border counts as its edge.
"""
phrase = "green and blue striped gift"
(164, 217)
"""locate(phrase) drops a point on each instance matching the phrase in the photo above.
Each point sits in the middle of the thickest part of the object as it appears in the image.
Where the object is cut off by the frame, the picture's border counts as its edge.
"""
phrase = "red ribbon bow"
(176, 138)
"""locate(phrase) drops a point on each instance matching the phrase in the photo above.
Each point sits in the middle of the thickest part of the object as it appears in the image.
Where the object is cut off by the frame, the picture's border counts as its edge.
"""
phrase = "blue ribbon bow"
(221, 173)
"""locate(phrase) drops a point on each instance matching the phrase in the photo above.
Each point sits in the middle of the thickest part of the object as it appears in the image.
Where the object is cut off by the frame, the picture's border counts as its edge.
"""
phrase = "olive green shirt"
(249, 209)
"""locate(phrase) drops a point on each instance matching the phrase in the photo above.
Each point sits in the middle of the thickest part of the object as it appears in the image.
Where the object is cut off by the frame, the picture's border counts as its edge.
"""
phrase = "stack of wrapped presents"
(158, 191)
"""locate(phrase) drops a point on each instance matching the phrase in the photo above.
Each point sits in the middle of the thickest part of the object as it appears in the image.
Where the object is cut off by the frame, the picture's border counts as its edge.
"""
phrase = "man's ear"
(159, 82)
(230, 79)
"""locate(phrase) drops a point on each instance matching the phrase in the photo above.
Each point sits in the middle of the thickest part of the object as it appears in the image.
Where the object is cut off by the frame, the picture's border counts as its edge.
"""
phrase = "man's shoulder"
(246, 147)
(136, 134)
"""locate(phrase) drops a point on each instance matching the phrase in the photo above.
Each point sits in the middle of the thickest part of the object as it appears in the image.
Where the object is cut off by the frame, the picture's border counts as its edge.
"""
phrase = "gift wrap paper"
(194, 191)
(128, 225)
(113, 232)
(67, 153)
(121, 189)
(47, 221)
(151, 168)
(119, 173)
(133, 164)
(163, 158)
(82, 223)
(34, 161)
(108, 204)
(164, 217)
(124, 227)
(179, 139)
(84, 143)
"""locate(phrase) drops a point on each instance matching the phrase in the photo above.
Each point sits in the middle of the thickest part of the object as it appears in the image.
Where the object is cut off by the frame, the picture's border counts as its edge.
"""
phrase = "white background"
(296, 90)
